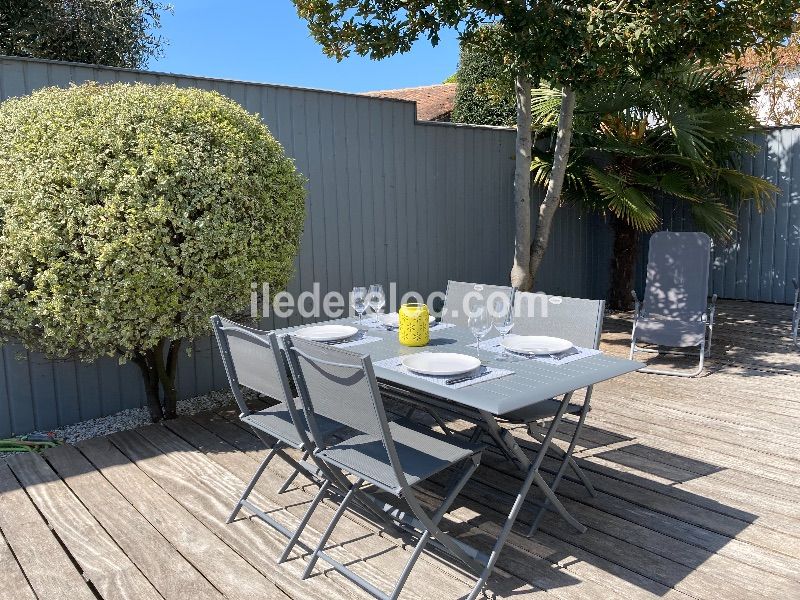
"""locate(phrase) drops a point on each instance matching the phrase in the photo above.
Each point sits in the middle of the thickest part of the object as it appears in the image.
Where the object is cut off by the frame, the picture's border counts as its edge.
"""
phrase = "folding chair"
(253, 360)
(675, 312)
(796, 312)
(381, 456)
(581, 322)
(462, 297)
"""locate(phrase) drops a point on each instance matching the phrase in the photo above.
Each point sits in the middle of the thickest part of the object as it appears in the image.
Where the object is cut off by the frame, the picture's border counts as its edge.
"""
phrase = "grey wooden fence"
(390, 200)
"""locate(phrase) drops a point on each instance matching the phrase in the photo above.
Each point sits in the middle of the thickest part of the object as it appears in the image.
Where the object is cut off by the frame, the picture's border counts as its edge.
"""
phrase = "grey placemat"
(396, 364)
(495, 345)
(362, 338)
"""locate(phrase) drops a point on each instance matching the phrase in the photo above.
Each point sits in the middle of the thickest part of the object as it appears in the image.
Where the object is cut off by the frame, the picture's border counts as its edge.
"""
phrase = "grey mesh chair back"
(575, 319)
(252, 359)
(340, 385)
(678, 267)
(462, 297)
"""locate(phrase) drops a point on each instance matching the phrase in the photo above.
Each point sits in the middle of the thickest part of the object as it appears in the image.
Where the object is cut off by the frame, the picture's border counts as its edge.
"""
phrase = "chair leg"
(423, 541)
(253, 482)
(329, 530)
(454, 490)
(440, 421)
(293, 476)
(477, 433)
(304, 521)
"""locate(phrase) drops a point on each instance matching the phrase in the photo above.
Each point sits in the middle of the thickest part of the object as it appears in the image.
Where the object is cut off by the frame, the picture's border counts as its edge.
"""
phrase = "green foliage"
(118, 33)
(131, 213)
(681, 136)
(485, 94)
(564, 43)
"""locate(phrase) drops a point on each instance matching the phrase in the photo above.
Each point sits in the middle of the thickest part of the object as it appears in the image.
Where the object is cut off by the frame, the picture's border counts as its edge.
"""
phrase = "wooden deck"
(698, 483)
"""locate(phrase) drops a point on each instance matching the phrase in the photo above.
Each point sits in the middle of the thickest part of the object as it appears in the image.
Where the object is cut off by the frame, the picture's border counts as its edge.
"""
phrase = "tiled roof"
(434, 102)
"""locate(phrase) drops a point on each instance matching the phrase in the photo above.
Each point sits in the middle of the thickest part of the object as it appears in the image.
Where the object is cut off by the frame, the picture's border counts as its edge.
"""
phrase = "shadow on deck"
(697, 483)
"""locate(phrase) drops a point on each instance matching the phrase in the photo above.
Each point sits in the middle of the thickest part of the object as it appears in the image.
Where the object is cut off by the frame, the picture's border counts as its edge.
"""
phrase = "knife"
(566, 353)
(455, 380)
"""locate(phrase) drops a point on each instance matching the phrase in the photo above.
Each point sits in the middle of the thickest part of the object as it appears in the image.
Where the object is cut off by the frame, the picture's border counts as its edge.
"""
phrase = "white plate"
(441, 363)
(536, 344)
(393, 319)
(326, 333)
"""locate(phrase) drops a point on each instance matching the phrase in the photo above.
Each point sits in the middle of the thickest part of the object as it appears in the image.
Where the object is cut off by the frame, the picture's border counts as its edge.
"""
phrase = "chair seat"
(540, 410)
(422, 453)
(276, 422)
(667, 331)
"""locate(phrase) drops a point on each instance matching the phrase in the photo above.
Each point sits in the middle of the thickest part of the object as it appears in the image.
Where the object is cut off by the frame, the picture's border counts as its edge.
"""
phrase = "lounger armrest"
(712, 309)
(636, 304)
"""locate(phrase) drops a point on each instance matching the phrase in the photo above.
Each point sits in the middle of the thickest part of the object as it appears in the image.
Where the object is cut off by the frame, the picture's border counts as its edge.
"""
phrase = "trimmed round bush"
(131, 213)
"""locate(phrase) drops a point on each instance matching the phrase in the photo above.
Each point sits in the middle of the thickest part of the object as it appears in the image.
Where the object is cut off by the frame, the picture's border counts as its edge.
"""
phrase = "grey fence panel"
(390, 200)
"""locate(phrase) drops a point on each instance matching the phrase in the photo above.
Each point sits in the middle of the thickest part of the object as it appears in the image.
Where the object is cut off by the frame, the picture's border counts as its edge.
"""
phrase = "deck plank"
(631, 535)
(104, 564)
(172, 575)
(12, 580)
(47, 568)
(223, 566)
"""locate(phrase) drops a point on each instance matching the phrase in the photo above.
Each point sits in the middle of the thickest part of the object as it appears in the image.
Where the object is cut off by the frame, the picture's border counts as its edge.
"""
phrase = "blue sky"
(265, 41)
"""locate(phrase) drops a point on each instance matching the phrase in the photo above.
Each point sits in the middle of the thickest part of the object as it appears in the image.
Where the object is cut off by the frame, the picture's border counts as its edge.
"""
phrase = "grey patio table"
(484, 402)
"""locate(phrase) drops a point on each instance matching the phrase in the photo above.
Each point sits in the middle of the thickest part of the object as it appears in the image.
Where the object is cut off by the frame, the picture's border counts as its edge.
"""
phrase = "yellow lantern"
(414, 326)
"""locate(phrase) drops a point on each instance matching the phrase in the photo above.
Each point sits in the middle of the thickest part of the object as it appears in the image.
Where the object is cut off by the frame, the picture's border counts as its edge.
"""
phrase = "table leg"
(532, 476)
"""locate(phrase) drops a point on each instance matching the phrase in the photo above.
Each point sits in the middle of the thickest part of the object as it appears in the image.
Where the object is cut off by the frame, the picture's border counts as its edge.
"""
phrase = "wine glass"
(504, 313)
(358, 300)
(376, 299)
(480, 323)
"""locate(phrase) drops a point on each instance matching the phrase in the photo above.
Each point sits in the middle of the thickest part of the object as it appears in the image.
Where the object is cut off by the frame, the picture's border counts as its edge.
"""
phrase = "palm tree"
(680, 136)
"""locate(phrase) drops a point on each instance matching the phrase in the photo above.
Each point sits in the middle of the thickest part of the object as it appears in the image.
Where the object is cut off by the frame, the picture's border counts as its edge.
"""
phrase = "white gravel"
(133, 418)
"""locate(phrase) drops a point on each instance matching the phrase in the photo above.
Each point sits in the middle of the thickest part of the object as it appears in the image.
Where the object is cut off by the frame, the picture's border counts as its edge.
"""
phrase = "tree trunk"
(521, 272)
(159, 375)
(166, 375)
(151, 386)
(547, 209)
(623, 263)
(170, 389)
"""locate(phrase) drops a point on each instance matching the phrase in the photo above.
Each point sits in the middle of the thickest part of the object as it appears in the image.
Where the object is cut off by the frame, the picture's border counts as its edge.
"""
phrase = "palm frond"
(542, 164)
(545, 107)
(625, 201)
(672, 183)
(715, 218)
(741, 186)
(689, 131)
